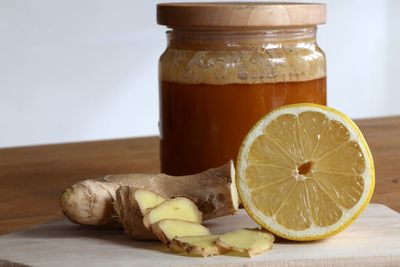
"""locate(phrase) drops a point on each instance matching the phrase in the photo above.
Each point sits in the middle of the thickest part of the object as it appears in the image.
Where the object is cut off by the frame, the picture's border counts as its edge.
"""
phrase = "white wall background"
(74, 70)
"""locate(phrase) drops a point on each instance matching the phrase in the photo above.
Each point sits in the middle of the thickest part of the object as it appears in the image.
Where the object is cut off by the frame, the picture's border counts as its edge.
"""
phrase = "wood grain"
(382, 135)
(32, 178)
(185, 15)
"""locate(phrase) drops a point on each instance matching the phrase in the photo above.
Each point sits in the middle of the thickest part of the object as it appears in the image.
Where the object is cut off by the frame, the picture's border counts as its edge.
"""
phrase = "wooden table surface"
(32, 178)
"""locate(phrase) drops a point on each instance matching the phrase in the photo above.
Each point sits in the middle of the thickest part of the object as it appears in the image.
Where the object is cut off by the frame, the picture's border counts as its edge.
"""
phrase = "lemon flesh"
(305, 172)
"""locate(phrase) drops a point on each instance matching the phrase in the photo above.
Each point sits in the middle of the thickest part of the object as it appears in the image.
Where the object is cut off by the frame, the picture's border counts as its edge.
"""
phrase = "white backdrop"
(73, 70)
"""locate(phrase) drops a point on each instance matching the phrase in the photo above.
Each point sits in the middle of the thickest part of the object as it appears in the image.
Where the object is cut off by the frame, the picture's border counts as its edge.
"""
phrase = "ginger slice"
(168, 229)
(130, 204)
(247, 241)
(180, 208)
(147, 199)
(197, 245)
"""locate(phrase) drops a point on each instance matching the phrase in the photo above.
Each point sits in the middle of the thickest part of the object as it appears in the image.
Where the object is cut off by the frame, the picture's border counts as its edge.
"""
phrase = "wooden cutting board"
(373, 240)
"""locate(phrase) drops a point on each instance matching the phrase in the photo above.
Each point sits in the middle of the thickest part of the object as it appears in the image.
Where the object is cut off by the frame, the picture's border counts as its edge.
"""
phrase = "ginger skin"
(90, 202)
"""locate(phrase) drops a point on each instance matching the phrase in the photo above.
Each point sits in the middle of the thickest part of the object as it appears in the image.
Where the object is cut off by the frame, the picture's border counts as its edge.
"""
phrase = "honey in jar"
(226, 66)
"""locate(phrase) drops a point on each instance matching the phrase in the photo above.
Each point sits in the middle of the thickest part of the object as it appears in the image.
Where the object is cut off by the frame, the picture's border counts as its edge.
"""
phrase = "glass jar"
(219, 76)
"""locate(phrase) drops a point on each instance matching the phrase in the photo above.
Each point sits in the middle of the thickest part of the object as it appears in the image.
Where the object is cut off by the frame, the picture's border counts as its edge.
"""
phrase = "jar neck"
(239, 39)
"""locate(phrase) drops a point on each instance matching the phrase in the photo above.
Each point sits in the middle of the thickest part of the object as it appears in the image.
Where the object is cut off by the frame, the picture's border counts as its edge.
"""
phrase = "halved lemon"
(305, 172)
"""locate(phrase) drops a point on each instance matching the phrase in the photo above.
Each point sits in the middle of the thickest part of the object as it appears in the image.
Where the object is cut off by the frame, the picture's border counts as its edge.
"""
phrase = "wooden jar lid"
(240, 14)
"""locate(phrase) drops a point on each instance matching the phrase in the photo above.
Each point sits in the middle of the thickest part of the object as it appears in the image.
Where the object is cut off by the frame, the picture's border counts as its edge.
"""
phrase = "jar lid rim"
(240, 14)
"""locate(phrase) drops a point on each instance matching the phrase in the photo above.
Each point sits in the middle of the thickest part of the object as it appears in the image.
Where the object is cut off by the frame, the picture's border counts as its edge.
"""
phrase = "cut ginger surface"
(168, 229)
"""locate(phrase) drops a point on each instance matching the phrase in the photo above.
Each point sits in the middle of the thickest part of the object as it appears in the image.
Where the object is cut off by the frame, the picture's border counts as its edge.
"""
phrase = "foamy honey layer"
(266, 65)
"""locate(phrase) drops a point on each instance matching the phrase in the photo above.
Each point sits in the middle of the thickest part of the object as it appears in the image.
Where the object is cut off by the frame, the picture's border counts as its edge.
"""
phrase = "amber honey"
(203, 125)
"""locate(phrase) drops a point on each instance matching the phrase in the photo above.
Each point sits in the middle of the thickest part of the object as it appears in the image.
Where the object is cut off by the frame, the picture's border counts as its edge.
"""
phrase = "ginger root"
(130, 205)
(168, 229)
(170, 208)
(90, 202)
(197, 245)
(246, 241)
